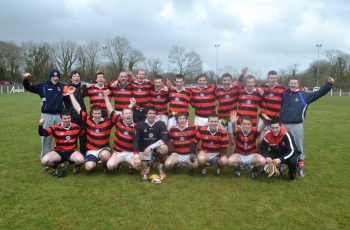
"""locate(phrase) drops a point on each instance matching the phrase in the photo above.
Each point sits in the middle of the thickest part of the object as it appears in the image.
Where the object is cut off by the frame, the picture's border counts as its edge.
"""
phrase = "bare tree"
(88, 58)
(154, 67)
(339, 67)
(134, 56)
(189, 64)
(38, 58)
(11, 60)
(288, 73)
(64, 53)
(116, 51)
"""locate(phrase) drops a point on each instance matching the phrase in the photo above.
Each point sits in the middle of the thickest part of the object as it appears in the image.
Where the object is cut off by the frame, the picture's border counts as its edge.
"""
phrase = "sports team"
(236, 124)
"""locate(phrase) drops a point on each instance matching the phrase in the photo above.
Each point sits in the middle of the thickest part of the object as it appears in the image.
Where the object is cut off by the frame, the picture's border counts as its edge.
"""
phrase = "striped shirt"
(123, 138)
(65, 138)
(203, 101)
(182, 139)
(211, 142)
(246, 144)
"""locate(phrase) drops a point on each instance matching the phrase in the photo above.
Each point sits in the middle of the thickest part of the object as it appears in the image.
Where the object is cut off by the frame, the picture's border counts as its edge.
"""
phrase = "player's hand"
(330, 80)
(106, 92)
(26, 76)
(88, 85)
(147, 151)
(233, 116)
(268, 160)
(276, 161)
(261, 91)
(71, 89)
(41, 121)
(193, 158)
(168, 82)
(137, 162)
(114, 84)
(132, 101)
(244, 70)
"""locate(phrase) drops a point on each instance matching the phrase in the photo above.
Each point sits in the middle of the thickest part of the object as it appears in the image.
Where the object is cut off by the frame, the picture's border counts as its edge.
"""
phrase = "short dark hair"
(249, 77)
(294, 78)
(140, 70)
(65, 112)
(275, 120)
(151, 108)
(202, 75)
(271, 72)
(178, 76)
(226, 75)
(248, 118)
(213, 115)
(157, 77)
(180, 114)
(73, 73)
(98, 72)
(96, 107)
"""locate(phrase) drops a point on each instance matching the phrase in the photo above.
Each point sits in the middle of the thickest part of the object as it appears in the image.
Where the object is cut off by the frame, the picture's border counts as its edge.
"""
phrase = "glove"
(192, 158)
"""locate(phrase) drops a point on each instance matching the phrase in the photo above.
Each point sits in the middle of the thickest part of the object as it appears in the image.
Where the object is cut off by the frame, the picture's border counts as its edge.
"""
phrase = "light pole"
(217, 62)
(318, 62)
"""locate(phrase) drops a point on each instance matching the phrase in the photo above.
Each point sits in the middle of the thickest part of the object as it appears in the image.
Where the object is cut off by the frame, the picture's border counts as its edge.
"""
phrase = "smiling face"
(66, 119)
(55, 78)
(141, 75)
(158, 83)
(293, 84)
(250, 83)
(226, 82)
(182, 121)
(246, 125)
(127, 116)
(202, 82)
(272, 80)
(275, 129)
(151, 116)
(100, 79)
(123, 78)
(179, 83)
(213, 123)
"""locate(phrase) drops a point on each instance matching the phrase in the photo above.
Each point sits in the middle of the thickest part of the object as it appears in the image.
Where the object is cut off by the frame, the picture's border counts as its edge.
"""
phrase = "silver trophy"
(145, 165)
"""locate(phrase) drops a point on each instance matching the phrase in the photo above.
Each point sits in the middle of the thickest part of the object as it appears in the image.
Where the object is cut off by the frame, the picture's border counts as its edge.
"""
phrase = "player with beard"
(150, 137)
(65, 135)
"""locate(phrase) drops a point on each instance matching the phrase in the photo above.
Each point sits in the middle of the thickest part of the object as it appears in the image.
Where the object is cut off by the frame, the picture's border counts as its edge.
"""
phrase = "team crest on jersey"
(271, 94)
(177, 99)
(158, 97)
(139, 90)
(100, 94)
(283, 144)
(122, 89)
(58, 88)
(202, 94)
(211, 143)
(182, 139)
(249, 102)
(227, 96)
(67, 138)
(150, 135)
(97, 131)
(126, 133)
(296, 99)
(245, 144)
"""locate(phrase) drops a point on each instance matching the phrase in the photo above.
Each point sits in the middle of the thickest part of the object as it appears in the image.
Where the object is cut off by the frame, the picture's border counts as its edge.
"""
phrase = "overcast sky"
(263, 35)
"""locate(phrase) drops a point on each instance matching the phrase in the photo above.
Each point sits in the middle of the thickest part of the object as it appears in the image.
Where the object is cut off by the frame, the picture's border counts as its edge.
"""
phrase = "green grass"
(31, 199)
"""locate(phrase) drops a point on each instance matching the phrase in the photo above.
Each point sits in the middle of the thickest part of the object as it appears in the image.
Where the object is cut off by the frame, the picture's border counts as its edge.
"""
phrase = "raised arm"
(75, 104)
(234, 118)
(108, 103)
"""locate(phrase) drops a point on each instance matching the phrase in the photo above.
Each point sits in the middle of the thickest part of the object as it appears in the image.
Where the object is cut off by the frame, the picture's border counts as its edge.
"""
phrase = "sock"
(204, 170)
(255, 169)
(301, 164)
(160, 167)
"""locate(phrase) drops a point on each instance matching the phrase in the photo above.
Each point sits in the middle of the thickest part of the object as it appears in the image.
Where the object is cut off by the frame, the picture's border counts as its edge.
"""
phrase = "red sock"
(301, 164)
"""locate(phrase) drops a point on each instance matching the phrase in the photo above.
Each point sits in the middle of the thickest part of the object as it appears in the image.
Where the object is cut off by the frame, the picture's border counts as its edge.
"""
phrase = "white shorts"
(228, 127)
(163, 117)
(125, 156)
(182, 159)
(212, 155)
(267, 127)
(145, 158)
(200, 121)
(246, 159)
(92, 155)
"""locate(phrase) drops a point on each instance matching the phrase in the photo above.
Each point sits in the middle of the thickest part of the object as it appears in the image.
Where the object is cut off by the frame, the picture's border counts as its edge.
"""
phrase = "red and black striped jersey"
(182, 139)
(246, 144)
(179, 101)
(141, 92)
(160, 100)
(97, 133)
(272, 99)
(248, 104)
(65, 138)
(211, 142)
(122, 95)
(203, 101)
(123, 138)
(227, 99)
(96, 95)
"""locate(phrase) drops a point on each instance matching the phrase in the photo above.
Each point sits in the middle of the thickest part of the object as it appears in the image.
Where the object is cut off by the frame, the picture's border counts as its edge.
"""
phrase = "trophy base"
(144, 178)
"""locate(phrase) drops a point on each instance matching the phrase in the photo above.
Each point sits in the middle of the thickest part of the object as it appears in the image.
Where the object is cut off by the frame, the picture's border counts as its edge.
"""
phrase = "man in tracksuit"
(293, 112)
(51, 96)
(283, 149)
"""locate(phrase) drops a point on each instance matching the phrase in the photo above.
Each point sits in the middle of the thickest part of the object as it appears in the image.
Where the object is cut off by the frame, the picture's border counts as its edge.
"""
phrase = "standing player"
(179, 98)
(226, 95)
(95, 92)
(181, 137)
(246, 152)
(293, 112)
(121, 90)
(203, 100)
(98, 130)
(65, 135)
(213, 146)
(51, 96)
(123, 138)
(150, 137)
(279, 147)
(249, 100)
(159, 97)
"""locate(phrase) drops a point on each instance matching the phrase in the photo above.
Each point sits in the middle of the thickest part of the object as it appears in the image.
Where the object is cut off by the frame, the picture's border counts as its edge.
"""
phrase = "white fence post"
(340, 92)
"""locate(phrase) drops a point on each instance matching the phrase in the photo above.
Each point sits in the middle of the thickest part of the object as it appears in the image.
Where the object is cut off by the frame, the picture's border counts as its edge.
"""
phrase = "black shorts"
(65, 155)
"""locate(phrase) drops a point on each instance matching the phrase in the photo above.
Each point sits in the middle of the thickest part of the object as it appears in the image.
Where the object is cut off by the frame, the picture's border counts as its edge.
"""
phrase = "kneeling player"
(213, 146)
(181, 137)
(65, 135)
(246, 152)
(282, 148)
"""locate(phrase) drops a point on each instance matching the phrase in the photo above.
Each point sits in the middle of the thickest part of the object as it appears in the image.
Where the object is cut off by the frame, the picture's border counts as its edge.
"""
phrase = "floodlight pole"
(217, 62)
(318, 62)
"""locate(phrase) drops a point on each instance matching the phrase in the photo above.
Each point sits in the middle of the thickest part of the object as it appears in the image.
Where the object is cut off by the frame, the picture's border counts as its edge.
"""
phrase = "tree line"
(117, 54)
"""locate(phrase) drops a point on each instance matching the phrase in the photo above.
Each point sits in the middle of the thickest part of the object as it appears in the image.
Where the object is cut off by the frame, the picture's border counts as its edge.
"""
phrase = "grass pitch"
(31, 199)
